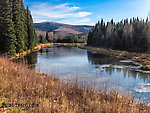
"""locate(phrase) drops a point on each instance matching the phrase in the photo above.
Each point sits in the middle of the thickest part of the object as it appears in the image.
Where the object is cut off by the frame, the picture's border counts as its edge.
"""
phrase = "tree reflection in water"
(101, 59)
(31, 60)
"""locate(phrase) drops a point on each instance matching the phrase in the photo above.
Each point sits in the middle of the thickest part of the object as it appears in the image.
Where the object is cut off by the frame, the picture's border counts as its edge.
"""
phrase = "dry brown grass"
(18, 83)
(39, 46)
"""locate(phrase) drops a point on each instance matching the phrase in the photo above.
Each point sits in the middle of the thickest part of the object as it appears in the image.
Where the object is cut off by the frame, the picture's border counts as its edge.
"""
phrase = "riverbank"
(38, 47)
(20, 86)
(143, 59)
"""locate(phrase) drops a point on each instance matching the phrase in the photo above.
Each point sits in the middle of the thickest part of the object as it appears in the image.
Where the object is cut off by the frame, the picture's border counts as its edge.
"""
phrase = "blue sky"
(86, 11)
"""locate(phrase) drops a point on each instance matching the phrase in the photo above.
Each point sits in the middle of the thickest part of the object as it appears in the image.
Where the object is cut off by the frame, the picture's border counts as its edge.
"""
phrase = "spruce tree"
(41, 39)
(24, 21)
(32, 38)
(133, 35)
(17, 32)
(19, 24)
(7, 33)
(47, 37)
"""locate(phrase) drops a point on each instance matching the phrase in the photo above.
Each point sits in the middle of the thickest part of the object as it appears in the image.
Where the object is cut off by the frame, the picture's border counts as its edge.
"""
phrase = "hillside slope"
(60, 29)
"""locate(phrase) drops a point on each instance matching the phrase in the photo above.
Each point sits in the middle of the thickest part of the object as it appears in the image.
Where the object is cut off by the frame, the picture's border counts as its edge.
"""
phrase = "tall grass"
(22, 85)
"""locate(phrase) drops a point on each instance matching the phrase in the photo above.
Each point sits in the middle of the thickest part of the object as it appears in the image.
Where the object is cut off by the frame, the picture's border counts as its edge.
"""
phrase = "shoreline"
(142, 58)
(38, 47)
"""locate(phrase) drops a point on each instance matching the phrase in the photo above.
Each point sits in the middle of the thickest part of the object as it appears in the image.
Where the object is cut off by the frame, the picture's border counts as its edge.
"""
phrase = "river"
(92, 69)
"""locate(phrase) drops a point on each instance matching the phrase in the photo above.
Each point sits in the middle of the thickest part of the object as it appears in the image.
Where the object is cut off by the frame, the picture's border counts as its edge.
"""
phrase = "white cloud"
(66, 13)
(80, 21)
(60, 6)
(82, 14)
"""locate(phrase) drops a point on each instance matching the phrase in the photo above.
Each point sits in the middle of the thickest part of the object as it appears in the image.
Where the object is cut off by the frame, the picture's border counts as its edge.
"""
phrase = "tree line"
(67, 39)
(72, 39)
(130, 35)
(17, 32)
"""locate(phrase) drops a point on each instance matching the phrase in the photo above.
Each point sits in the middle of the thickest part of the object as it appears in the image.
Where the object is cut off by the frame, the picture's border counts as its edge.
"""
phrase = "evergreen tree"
(7, 33)
(32, 38)
(125, 35)
(24, 20)
(17, 32)
(19, 25)
(47, 37)
(41, 39)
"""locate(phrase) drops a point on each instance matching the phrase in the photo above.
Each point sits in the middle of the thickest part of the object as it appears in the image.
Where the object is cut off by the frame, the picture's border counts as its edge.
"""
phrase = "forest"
(131, 35)
(67, 39)
(72, 39)
(17, 33)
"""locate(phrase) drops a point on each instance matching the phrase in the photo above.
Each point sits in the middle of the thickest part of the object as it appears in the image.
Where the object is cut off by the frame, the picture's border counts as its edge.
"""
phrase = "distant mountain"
(61, 30)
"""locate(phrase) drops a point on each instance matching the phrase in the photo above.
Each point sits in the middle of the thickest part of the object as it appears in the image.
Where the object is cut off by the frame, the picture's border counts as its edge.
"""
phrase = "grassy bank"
(38, 47)
(143, 59)
(50, 95)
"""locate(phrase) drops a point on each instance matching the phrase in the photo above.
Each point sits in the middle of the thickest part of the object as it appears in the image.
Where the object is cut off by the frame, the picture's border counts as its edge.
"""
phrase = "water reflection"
(98, 70)
(101, 59)
(31, 60)
(97, 58)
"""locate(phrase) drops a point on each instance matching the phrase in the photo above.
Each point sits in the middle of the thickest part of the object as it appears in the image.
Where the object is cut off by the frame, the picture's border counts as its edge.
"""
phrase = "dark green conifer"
(32, 38)
(19, 25)
(7, 33)
(127, 35)
(47, 37)
(24, 20)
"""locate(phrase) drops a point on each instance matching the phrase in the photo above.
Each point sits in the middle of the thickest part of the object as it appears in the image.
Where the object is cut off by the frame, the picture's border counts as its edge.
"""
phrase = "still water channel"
(92, 69)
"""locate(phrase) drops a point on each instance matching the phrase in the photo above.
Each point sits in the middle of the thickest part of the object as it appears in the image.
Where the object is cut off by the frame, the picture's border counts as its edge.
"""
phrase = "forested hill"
(17, 32)
(131, 35)
(62, 29)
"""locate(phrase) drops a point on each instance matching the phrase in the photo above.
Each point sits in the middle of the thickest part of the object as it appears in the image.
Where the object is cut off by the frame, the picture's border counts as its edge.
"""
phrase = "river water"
(92, 69)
